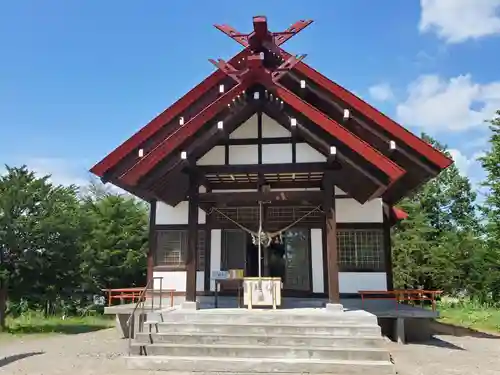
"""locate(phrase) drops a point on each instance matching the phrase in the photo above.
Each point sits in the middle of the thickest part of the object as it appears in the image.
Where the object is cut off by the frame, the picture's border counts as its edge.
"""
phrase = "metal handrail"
(141, 300)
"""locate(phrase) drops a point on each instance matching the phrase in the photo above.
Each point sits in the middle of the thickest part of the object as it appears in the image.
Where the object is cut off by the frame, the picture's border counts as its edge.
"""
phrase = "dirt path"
(448, 355)
(101, 353)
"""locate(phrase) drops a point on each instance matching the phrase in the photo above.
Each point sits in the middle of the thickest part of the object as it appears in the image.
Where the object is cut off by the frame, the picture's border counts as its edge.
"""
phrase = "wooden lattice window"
(361, 249)
(172, 245)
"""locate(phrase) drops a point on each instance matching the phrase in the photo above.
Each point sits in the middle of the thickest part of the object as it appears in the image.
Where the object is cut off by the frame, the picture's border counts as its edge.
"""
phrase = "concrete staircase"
(239, 341)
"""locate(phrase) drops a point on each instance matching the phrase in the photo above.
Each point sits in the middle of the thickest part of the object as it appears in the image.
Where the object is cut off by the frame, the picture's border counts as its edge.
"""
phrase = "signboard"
(227, 275)
(220, 275)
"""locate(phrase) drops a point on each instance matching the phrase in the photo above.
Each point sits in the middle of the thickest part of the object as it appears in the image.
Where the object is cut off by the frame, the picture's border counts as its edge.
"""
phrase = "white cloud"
(61, 171)
(435, 104)
(456, 21)
(467, 165)
(381, 92)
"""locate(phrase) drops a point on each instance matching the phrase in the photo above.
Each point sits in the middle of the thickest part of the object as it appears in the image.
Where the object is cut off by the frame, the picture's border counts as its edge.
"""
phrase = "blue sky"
(79, 77)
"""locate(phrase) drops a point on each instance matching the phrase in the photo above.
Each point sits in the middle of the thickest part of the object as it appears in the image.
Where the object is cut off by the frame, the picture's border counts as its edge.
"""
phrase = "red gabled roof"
(165, 147)
(399, 132)
(169, 114)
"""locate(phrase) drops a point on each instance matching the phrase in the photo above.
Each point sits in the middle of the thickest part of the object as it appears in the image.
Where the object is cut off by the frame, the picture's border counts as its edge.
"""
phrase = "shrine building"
(268, 156)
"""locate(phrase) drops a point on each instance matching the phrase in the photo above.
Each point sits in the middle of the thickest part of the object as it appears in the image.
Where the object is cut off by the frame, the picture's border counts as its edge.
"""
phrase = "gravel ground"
(85, 354)
(101, 353)
(448, 355)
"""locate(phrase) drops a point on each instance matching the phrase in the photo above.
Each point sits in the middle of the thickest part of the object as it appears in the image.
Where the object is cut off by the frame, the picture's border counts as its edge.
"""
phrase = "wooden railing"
(401, 295)
(123, 294)
(133, 295)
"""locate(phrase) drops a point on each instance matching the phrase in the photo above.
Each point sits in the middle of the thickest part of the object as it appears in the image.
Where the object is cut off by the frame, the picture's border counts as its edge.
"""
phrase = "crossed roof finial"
(259, 42)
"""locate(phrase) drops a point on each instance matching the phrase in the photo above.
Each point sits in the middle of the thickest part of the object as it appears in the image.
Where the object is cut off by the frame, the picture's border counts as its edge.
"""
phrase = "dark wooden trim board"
(152, 242)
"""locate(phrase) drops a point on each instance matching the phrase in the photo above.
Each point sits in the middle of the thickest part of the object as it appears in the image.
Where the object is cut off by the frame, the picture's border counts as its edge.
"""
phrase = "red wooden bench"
(401, 295)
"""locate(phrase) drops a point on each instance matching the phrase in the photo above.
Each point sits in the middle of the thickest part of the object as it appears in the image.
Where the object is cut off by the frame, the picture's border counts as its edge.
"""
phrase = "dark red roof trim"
(399, 214)
(161, 120)
(430, 153)
(168, 145)
(373, 156)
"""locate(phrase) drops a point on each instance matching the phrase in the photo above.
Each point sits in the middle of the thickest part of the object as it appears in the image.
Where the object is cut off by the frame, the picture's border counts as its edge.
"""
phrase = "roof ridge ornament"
(261, 37)
(260, 41)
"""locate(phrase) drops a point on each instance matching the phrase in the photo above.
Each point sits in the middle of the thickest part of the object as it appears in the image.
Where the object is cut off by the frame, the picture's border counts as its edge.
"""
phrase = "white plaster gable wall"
(271, 154)
(307, 154)
(271, 129)
(247, 130)
(276, 153)
(353, 282)
(348, 210)
(243, 154)
(216, 156)
(215, 254)
(177, 280)
(166, 214)
(318, 284)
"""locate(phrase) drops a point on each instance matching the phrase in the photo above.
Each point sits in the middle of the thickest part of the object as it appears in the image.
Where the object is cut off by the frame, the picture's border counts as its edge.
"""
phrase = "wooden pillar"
(192, 245)
(208, 250)
(152, 239)
(331, 238)
(388, 247)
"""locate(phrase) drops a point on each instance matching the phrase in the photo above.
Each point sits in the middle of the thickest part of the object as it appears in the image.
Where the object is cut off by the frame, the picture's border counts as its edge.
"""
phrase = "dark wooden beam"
(208, 248)
(388, 247)
(264, 168)
(331, 239)
(192, 245)
(256, 141)
(253, 197)
(152, 242)
(274, 185)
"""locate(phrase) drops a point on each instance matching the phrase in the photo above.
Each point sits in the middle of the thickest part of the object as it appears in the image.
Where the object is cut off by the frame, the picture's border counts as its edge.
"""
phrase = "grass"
(36, 323)
(470, 315)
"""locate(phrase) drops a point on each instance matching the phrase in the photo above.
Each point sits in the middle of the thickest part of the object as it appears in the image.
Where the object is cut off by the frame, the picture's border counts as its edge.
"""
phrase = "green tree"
(116, 234)
(491, 209)
(433, 247)
(39, 238)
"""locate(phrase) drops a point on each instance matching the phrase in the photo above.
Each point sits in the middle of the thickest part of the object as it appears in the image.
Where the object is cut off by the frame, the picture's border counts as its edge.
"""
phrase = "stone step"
(258, 351)
(263, 316)
(269, 329)
(246, 339)
(212, 365)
